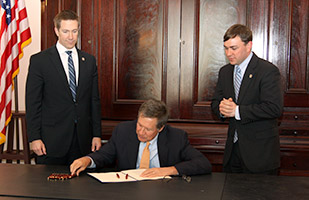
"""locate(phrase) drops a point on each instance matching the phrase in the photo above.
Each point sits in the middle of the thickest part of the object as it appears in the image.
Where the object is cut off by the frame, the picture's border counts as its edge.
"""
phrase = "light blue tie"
(237, 83)
(72, 76)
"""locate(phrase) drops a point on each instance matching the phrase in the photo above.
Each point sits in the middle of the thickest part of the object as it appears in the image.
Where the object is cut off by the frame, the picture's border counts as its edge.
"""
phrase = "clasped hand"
(227, 107)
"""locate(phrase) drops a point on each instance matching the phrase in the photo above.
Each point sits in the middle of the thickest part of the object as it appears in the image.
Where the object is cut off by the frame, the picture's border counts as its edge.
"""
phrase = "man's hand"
(80, 165)
(162, 171)
(227, 107)
(96, 144)
(38, 147)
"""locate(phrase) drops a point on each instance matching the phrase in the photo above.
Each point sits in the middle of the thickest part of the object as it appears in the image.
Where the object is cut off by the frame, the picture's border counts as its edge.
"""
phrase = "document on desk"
(124, 176)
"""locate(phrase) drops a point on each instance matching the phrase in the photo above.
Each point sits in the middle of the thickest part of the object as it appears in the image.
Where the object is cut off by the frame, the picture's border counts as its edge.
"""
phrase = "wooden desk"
(30, 181)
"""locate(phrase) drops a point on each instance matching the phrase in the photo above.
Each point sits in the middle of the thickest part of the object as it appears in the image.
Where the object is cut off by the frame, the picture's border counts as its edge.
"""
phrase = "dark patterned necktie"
(72, 76)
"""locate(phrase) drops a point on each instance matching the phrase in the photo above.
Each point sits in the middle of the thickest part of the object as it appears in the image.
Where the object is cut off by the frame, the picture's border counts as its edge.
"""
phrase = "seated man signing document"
(149, 143)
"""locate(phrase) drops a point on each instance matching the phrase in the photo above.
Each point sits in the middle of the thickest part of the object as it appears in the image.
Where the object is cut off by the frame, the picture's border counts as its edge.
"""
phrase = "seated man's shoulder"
(126, 126)
(174, 131)
(126, 123)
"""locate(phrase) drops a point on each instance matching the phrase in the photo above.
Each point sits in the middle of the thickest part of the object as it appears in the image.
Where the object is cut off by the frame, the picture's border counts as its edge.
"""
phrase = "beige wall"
(34, 16)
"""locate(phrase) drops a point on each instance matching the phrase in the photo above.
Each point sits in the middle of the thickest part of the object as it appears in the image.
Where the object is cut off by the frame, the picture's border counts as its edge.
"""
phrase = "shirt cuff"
(92, 165)
(222, 116)
(237, 114)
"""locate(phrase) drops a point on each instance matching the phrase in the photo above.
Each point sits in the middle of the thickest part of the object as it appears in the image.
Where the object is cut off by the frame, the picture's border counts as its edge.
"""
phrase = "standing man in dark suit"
(170, 152)
(249, 94)
(62, 98)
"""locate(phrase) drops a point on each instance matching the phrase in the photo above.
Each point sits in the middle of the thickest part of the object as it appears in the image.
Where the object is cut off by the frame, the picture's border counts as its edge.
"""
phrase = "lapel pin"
(83, 59)
(250, 76)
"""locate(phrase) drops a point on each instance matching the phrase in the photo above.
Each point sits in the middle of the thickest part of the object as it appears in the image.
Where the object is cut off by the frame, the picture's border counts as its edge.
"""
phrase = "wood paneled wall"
(172, 50)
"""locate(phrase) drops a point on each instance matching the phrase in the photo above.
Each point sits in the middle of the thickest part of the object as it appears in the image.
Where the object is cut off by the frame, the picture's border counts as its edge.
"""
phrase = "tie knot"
(147, 145)
(69, 52)
(238, 69)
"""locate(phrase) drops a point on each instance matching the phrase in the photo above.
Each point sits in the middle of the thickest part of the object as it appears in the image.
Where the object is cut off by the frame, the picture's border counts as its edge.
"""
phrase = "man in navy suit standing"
(249, 94)
(62, 98)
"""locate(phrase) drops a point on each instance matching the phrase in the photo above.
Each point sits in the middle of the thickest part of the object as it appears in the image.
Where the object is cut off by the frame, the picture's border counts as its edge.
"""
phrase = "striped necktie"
(72, 76)
(237, 83)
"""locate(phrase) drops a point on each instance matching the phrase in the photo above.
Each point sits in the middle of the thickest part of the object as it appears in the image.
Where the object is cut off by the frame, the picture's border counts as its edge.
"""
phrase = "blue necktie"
(72, 76)
(237, 83)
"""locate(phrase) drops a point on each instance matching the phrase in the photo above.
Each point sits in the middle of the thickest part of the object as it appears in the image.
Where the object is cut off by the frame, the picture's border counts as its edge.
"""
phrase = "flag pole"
(16, 122)
(16, 94)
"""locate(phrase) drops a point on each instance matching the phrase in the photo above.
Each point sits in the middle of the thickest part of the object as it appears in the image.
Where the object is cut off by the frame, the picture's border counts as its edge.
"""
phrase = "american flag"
(15, 35)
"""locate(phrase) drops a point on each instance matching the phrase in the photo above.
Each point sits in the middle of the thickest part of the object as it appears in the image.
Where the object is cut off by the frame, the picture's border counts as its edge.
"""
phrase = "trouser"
(73, 153)
(237, 165)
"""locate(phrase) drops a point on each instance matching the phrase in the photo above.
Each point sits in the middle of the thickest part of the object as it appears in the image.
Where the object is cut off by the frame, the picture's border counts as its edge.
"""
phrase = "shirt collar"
(154, 140)
(244, 64)
(61, 49)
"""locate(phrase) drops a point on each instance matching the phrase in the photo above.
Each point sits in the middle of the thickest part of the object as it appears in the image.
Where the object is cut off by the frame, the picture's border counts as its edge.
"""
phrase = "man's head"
(152, 117)
(66, 28)
(237, 43)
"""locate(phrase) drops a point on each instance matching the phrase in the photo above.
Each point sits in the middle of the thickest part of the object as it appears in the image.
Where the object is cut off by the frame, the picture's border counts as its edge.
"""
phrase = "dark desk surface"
(30, 181)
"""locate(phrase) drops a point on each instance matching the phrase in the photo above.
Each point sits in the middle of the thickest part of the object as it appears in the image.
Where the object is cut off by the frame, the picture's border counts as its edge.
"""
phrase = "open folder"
(124, 176)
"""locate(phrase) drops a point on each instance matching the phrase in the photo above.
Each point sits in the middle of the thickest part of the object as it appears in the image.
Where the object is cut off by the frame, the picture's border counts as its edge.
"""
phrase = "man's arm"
(95, 104)
(268, 100)
(219, 94)
(34, 96)
(194, 162)
(181, 154)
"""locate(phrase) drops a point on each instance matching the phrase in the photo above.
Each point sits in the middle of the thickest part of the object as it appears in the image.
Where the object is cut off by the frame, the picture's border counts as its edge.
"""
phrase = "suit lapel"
(163, 148)
(133, 149)
(248, 78)
(230, 82)
(55, 59)
(82, 71)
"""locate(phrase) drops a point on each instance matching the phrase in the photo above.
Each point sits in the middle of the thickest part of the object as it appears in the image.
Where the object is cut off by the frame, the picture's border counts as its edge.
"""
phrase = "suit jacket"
(260, 105)
(174, 149)
(51, 112)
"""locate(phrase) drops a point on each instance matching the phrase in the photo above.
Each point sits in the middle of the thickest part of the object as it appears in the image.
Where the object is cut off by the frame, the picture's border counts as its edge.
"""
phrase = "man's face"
(146, 128)
(67, 33)
(236, 50)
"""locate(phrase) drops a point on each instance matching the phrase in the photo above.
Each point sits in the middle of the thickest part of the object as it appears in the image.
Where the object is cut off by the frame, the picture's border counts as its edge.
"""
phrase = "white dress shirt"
(243, 66)
(64, 59)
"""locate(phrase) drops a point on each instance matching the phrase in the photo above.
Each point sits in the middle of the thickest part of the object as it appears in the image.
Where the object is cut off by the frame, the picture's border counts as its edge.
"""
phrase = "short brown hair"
(240, 30)
(65, 15)
(153, 108)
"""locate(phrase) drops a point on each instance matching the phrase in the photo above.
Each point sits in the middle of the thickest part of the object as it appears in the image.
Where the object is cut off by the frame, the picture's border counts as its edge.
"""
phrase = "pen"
(117, 175)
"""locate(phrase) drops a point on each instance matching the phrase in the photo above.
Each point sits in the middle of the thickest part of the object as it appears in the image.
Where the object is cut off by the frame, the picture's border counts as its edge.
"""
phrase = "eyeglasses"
(186, 178)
